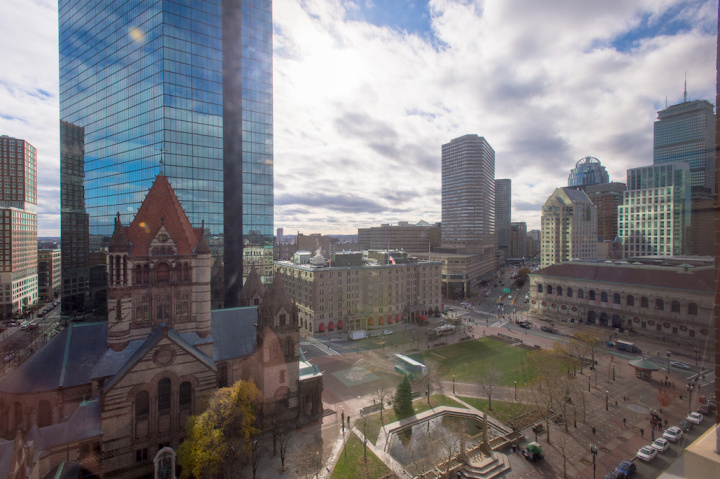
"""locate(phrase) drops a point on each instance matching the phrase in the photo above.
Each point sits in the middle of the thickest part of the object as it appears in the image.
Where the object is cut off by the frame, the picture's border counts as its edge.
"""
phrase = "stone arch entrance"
(617, 321)
(591, 317)
(165, 463)
(603, 319)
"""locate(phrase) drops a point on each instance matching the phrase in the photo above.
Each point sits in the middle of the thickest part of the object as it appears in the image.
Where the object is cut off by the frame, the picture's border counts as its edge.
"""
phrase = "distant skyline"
(366, 92)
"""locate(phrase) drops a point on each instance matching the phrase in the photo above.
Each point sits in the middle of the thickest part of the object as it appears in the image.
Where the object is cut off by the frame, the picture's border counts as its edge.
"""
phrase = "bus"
(444, 330)
(409, 366)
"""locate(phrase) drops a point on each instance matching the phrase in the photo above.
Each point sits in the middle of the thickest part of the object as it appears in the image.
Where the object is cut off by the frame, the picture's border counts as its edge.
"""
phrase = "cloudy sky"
(367, 91)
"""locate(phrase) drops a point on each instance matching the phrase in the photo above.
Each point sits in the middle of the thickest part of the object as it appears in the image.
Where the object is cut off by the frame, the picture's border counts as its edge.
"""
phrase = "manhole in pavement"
(639, 408)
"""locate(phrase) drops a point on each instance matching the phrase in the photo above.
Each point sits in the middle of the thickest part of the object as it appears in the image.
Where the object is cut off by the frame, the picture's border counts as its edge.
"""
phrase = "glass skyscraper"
(181, 88)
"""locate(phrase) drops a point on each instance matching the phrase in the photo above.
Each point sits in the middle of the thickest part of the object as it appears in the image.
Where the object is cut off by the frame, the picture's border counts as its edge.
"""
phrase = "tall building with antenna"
(182, 89)
(686, 133)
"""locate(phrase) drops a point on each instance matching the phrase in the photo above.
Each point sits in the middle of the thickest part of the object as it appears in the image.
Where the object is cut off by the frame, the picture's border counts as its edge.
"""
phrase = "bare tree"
(489, 380)
(306, 459)
(449, 442)
(257, 451)
(284, 440)
(381, 393)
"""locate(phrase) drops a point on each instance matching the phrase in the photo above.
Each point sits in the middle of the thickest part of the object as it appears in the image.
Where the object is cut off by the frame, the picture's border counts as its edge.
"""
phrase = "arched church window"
(142, 404)
(164, 395)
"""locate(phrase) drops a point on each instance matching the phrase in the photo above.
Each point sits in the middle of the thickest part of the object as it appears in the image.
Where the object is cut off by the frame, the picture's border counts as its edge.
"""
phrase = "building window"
(163, 273)
(675, 306)
(591, 295)
(617, 299)
(141, 455)
(44, 414)
(581, 294)
(660, 304)
(630, 300)
(603, 297)
(644, 303)
(185, 396)
(164, 395)
(539, 288)
(693, 309)
(222, 379)
(142, 404)
(569, 292)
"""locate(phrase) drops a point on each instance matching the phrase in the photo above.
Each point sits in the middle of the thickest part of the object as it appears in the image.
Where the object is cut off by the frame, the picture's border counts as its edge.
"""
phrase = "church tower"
(278, 345)
(158, 272)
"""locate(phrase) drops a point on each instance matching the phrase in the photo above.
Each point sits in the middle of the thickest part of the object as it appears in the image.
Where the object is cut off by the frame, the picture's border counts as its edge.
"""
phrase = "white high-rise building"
(568, 227)
(468, 191)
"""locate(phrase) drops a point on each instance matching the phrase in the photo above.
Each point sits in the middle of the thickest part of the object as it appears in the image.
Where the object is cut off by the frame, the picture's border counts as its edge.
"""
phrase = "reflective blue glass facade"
(144, 79)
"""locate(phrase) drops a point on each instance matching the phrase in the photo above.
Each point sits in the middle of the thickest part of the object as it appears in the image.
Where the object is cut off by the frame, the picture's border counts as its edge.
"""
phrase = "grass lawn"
(351, 463)
(419, 405)
(502, 411)
(465, 360)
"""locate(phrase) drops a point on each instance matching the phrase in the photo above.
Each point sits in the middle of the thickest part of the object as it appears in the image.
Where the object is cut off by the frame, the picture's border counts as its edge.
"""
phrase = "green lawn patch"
(351, 463)
(502, 411)
(467, 359)
(419, 405)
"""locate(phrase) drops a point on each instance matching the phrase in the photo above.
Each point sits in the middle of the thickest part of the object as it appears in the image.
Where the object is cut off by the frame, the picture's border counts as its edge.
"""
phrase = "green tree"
(219, 439)
(522, 276)
(403, 399)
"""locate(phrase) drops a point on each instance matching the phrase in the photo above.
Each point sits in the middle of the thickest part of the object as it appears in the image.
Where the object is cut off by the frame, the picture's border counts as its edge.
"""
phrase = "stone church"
(105, 398)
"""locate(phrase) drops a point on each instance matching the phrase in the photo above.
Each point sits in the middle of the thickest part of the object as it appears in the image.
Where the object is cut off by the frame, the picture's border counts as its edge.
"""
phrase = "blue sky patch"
(411, 16)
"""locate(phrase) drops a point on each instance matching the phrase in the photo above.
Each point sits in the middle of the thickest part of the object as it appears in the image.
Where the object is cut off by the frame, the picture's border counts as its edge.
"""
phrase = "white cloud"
(361, 111)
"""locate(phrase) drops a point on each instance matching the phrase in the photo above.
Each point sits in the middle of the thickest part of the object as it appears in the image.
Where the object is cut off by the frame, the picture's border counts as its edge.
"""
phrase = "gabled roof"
(234, 332)
(161, 207)
(66, 361)
(84, 423)
(277, 297)
(163, 331)
(253, 285)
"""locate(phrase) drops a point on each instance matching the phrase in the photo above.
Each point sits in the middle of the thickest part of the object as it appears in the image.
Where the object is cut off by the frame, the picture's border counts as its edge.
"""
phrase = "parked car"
(685, 425)
(661, 444)
(548, 329)
(673, 434)
(387, 331)
(646, 453)
(626, 468)
(703, 409)
(711, 403)
(524, 325)
(679, 364)
(694, 417)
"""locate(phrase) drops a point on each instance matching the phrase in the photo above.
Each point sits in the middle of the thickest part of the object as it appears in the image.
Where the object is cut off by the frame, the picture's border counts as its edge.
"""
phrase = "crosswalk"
(327, 350)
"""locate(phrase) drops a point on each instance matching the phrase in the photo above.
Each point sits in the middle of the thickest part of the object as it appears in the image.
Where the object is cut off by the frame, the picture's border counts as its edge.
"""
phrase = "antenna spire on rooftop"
(685, 92)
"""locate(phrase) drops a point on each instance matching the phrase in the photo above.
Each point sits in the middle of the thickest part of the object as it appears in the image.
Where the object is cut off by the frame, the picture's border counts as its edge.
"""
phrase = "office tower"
(18, 226)
(503, 203)
(568, 227)
(518, 239)
(533, 243)
(468, 191)
(686, 133)
(588, 171)
(654, 218)
(183, 90)
(606, 197)
(414, 238)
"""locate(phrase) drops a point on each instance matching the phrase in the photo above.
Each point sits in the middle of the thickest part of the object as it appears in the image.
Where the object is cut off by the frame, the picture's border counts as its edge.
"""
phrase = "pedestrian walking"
(593, 431)
(642, 432)
(624, 422)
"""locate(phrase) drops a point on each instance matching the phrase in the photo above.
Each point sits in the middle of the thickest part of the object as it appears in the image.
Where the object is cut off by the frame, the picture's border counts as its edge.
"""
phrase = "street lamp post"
(607, 397)
(668, 354)
(588, 382)
(453, 384)
(690, 388)
(696, 355)
(613, 371)
(515, 390)
(593, 451)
